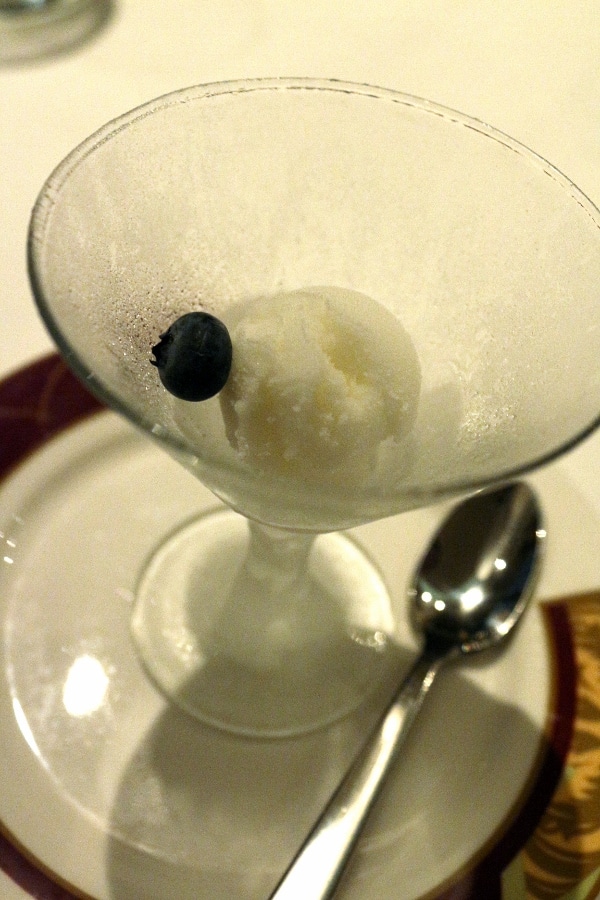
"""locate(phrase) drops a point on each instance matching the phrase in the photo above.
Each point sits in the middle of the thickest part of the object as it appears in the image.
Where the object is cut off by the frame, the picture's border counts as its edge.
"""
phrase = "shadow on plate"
(203, 814)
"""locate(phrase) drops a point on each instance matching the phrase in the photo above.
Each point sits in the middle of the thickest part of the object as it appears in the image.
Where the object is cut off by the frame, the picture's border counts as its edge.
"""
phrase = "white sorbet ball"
(320, 378)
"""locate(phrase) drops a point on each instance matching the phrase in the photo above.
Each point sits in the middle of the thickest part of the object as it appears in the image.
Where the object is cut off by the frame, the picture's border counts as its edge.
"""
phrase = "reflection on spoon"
(467, 594)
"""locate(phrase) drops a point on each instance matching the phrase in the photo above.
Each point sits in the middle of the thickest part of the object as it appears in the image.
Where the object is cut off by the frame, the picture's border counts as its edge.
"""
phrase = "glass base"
(218, 644)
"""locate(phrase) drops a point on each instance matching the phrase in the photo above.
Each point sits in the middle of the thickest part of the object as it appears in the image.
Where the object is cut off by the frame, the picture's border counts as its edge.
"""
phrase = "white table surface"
(530, 69)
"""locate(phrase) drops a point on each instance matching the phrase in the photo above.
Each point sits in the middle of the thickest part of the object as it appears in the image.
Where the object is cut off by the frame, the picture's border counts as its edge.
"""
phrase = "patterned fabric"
(562, 858)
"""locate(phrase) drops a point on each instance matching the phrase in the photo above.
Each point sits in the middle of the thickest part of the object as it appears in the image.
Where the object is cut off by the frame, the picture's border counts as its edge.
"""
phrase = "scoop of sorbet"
(320, 378)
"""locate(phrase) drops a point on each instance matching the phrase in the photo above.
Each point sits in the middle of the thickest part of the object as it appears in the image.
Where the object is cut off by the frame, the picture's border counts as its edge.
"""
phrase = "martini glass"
(264, 617)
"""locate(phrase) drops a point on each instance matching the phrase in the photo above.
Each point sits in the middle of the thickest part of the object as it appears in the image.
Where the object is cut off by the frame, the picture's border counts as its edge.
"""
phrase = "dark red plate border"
(36, 403)
(42, 400)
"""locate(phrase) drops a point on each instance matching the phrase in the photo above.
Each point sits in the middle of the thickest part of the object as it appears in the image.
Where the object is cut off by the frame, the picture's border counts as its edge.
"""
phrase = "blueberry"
(193, 356)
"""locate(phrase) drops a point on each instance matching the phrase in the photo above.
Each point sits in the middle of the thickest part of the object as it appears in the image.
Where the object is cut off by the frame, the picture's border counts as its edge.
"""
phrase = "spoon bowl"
(478, 574)
(469, 591)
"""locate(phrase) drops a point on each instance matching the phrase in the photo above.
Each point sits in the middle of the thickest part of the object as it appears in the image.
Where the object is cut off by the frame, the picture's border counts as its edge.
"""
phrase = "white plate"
(107, 790)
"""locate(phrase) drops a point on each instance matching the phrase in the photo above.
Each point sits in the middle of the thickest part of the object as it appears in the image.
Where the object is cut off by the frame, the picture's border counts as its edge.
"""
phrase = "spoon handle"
(317, 868)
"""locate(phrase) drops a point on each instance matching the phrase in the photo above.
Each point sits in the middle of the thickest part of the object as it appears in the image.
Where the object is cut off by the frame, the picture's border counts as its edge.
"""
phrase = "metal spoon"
(468, 592)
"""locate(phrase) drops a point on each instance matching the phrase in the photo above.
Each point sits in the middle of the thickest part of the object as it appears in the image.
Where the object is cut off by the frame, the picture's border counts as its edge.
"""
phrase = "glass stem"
(277, 560)
(271, 608)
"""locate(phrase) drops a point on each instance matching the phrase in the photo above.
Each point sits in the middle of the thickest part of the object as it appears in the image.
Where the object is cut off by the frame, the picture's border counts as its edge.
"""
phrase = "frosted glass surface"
(489, 257)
